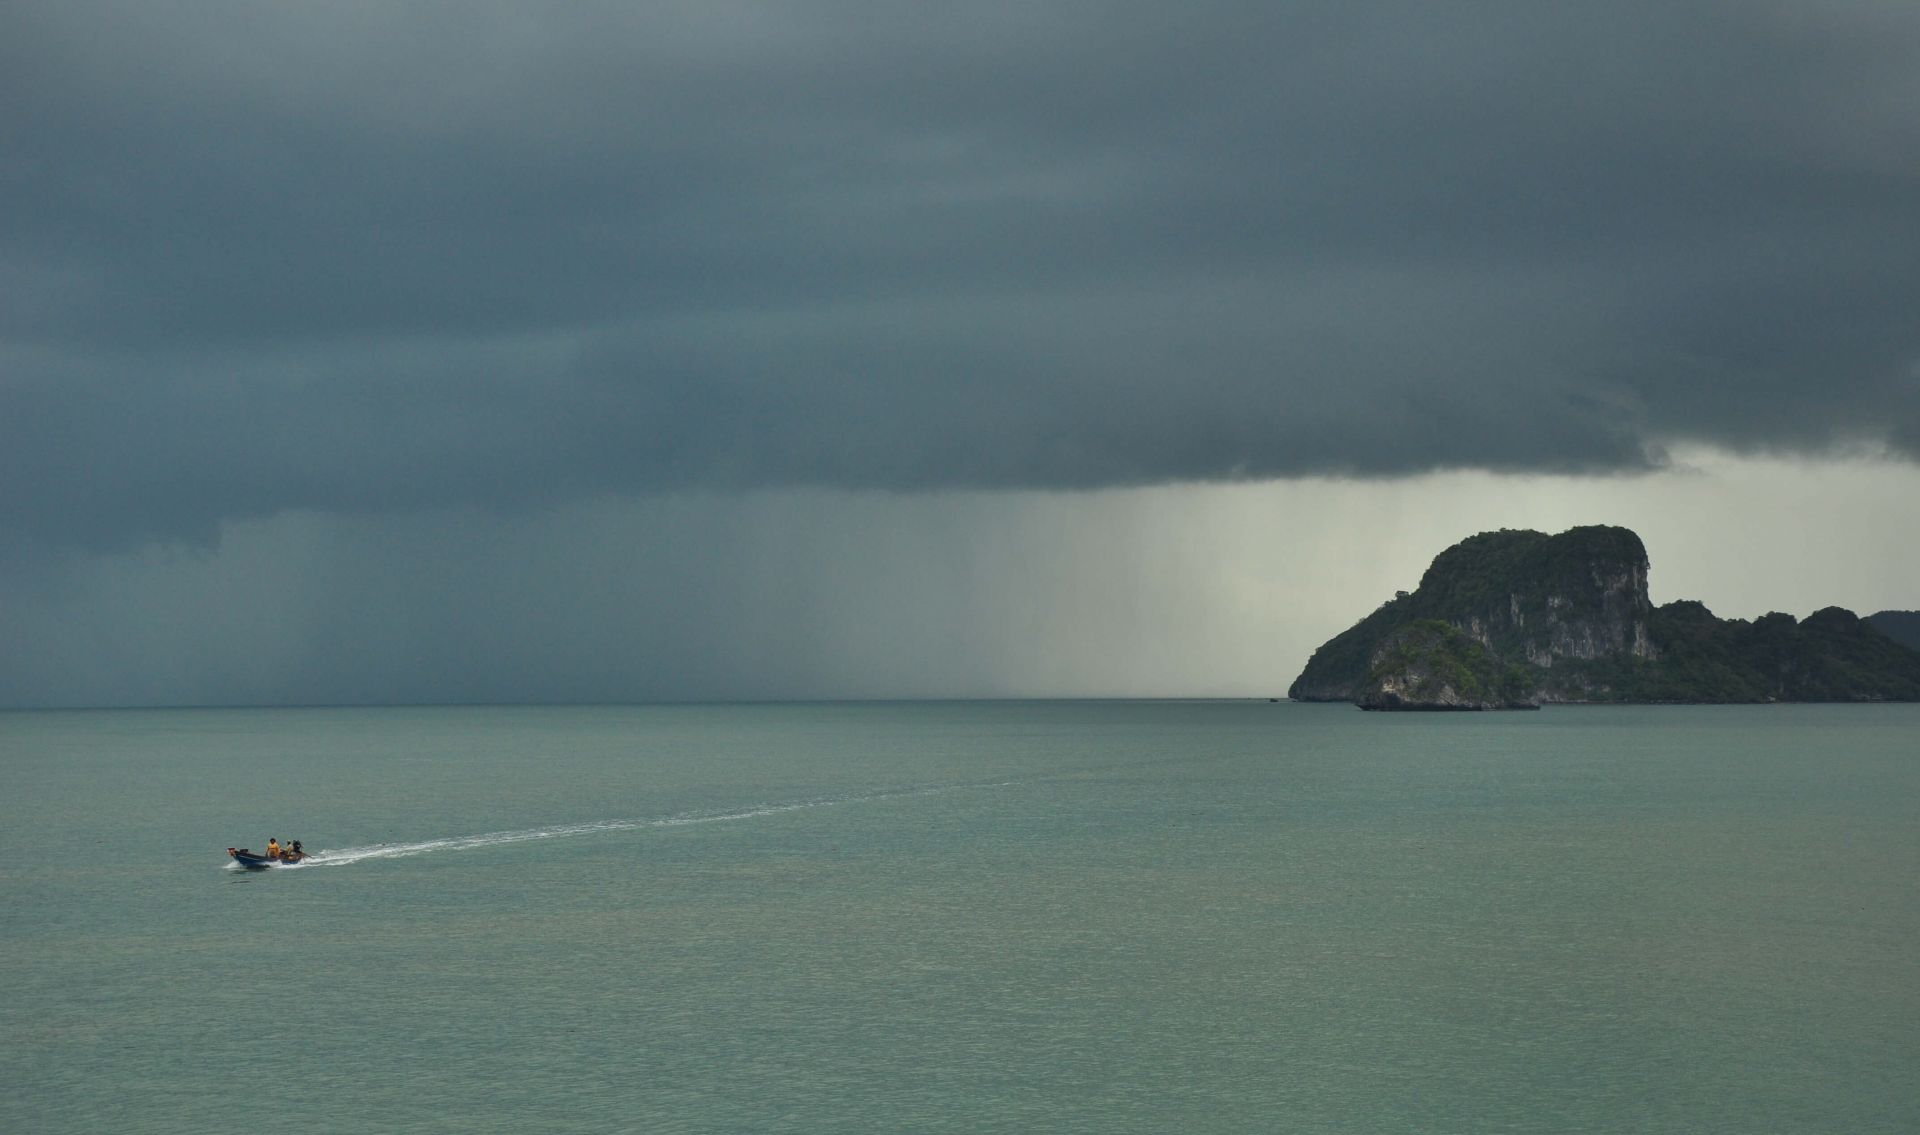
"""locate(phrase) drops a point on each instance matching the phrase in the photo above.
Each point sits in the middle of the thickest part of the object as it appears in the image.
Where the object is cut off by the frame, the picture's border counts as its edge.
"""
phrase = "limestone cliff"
(1548, 600)
(1571, 612)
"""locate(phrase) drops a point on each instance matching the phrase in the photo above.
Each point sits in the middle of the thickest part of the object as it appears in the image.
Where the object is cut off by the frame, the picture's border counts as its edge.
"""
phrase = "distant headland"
(1515, 618)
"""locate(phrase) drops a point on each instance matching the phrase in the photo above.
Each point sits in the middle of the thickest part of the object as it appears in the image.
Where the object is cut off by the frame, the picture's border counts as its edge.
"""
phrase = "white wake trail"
(341, 857)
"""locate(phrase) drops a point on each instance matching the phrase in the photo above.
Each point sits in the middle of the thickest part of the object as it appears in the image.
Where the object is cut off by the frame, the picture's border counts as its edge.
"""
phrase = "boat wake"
(343, 856)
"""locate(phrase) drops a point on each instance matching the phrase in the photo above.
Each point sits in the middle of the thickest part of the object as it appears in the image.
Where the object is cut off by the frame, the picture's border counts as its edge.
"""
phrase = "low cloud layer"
(369, 259)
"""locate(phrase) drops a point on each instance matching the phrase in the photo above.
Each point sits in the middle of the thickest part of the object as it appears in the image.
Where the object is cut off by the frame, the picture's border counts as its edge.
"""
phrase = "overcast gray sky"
(370, 351)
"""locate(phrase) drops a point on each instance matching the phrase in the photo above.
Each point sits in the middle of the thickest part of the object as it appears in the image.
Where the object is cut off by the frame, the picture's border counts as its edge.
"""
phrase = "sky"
(362, 352)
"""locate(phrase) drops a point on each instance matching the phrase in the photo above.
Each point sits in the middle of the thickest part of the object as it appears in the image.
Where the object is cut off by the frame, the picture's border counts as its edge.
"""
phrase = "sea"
(1052, 916)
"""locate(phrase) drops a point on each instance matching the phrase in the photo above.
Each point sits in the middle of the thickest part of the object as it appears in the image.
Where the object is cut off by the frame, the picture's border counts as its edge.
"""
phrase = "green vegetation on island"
(1428, 664)
(1532, 618)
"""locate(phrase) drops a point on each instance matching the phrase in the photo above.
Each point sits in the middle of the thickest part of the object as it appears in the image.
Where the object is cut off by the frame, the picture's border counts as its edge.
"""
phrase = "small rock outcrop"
(1533, 618)
(1431, 665)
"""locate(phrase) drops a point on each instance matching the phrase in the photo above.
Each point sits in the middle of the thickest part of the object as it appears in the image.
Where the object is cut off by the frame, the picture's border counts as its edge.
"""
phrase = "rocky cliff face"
(1567, 618)
(1580, 596)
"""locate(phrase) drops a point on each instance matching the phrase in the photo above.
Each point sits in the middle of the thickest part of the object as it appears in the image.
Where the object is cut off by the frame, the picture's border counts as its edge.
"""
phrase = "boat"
(255, 862)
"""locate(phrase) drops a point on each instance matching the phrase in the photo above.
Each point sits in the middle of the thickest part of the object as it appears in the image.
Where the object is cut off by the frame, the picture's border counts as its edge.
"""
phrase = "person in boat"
(273, 848)
(299, 852)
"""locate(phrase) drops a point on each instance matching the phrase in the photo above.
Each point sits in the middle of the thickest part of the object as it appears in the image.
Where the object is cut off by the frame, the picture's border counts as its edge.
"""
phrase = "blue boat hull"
(254, 862)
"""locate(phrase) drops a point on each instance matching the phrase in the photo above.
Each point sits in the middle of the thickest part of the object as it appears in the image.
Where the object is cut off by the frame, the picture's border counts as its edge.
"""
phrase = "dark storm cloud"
(370, 257)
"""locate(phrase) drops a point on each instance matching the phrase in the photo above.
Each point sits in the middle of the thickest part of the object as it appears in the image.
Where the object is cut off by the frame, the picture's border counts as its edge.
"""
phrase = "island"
(1902, 627)
(1516, 618)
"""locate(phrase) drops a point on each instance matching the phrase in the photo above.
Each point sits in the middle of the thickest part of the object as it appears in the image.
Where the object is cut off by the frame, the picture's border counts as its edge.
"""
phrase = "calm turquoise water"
(1101, 917)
